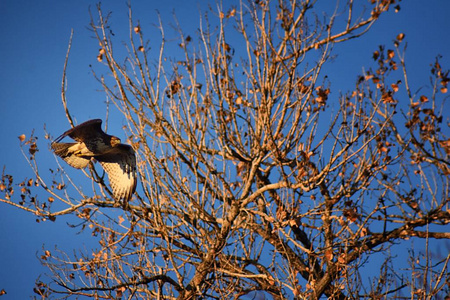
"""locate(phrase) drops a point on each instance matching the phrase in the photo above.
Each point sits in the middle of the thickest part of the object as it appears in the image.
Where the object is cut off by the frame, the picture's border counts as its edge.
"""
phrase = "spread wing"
(91, 138)
(65, 151)
(120, 164)
(89, 130)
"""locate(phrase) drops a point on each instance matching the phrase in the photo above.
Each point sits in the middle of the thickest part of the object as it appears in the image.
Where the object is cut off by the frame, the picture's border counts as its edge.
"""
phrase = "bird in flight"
(117, 159)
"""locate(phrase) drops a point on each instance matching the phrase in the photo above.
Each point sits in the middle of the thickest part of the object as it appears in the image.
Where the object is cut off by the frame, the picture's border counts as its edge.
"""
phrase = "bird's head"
(115, 141)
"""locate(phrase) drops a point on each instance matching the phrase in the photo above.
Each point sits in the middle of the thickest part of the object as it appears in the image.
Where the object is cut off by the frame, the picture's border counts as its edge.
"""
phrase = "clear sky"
(33, 44)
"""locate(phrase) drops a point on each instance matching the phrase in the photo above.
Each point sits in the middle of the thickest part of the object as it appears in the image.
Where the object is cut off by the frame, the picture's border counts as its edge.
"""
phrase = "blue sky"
(34, 37)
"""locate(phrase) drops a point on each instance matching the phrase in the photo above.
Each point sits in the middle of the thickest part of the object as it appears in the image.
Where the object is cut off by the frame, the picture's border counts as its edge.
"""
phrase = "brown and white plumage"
(120, 164)
(118, 160)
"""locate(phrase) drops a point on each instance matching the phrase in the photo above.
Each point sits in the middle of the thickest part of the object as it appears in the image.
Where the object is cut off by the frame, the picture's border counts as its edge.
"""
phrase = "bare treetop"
(253, 180)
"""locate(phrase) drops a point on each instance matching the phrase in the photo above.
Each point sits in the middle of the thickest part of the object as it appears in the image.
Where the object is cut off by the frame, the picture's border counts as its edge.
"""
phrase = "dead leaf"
(231, 13)
(239, 168)
(120, 291)
(390, 54)
(394, 87)
(351, 214)
(375, 55)
(33, 148)
(363, 232)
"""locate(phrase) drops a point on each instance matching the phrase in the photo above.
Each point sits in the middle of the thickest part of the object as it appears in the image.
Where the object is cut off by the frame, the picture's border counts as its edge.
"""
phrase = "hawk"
(118, 160)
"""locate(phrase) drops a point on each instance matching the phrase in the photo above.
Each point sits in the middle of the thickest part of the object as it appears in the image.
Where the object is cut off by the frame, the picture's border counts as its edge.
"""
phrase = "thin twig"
(63, 84)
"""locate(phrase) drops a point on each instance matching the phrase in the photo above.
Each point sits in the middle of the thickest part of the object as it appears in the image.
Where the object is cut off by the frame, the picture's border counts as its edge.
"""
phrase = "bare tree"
(252, 181)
